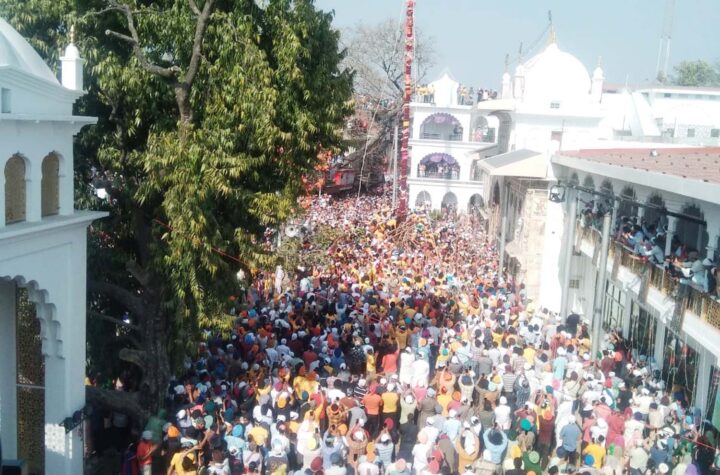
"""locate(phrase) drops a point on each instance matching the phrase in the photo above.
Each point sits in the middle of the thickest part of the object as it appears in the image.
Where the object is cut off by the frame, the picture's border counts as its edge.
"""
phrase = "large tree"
(376, 55)
(211, 113)
(696, 73)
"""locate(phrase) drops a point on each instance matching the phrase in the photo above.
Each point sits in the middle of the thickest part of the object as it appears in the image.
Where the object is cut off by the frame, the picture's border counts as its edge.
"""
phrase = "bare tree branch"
(200, 28)
(134, 41)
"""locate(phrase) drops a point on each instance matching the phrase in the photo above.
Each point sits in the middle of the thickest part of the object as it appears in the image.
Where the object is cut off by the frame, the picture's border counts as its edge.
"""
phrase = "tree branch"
(114, 320)
(193, 7)
(140, 274)
(200, 28)
(134, 41)
(119, 401)
(132, 302)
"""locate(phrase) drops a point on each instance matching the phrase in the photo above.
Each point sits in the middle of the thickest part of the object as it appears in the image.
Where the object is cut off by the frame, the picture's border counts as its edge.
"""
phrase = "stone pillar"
(702, 381)
(672, 229)
(8, 369)
(711, 248)
(33, 190)
(569, 243)
(627, 311)
(659, 342)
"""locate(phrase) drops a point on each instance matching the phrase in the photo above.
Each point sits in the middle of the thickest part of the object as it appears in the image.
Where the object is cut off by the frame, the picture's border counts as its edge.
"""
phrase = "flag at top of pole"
(407, 96)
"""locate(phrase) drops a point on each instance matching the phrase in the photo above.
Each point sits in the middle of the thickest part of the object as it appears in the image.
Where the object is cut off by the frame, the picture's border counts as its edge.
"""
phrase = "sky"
(472, 37)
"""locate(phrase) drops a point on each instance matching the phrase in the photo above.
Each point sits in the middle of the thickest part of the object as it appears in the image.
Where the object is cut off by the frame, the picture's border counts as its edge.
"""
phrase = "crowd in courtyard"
(411, 353)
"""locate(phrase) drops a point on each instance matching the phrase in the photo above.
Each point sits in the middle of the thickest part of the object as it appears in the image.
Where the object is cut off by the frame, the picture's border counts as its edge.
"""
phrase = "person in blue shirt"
(570, 438)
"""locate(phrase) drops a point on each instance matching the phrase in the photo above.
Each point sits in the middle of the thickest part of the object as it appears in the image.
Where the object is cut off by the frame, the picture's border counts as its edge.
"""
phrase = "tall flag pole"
(407, 96)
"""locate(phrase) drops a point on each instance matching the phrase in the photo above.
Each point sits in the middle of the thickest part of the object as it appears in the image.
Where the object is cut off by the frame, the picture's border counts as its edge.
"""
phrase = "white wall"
(50, 260)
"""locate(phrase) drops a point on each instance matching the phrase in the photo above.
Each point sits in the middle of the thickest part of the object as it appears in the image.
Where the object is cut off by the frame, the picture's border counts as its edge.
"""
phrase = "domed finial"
(599, 62)
(72, 33)
(552, 39)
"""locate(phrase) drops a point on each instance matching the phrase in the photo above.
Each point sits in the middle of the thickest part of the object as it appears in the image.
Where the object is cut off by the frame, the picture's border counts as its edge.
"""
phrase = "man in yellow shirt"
(390, 403)
(597, 451)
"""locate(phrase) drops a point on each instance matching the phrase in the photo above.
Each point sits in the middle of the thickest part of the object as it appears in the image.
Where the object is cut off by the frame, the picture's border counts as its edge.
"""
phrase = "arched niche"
(16, 172)
(50, 185)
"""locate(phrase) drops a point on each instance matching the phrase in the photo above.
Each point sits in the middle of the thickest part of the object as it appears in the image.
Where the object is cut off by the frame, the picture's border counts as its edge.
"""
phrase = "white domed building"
(42, 261)
(551, 102)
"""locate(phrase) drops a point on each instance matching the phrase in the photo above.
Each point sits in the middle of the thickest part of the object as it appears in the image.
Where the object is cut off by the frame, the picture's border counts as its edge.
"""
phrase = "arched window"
(627, 206)
(50, 185)
(439, 165)
(693, 235)
(588, 182)
(441, 126)
(655, 216)
(423, 200)
(15, 190)
(574, 180)
(606, 187)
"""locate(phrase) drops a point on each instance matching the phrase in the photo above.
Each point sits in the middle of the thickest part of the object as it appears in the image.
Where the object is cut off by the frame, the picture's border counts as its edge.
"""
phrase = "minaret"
(506, 90)
(72, 65)
(597, 83)
(519, 82)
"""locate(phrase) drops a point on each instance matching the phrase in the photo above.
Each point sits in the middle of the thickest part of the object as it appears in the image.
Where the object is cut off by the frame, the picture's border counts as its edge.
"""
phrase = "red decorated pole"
(407, 96)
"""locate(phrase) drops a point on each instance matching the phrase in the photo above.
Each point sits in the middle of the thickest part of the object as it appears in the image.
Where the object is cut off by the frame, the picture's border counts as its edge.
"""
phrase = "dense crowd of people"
(410, 353)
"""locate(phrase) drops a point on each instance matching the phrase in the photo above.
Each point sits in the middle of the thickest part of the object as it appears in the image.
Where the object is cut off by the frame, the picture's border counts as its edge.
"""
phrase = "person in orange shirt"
(373, 403)
(390, 360)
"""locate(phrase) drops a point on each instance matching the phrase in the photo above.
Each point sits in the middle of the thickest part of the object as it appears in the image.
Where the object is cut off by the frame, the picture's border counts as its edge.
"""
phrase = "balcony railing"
(432, 136)
(696, 301)
(451, 175)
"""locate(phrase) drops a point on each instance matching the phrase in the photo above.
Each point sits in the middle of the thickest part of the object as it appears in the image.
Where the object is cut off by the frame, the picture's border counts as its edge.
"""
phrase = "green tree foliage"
(210, 114)
(696, 73)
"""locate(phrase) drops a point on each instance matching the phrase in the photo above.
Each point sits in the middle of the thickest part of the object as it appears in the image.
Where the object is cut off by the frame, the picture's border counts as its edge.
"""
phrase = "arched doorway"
(475, 204)
(496, 194)
(439, 165)
(485, 129)
(423, 200)
(693, 235)
(449, 202)
(441, 126)
(655, 213)
(23, 369)
(627, 208)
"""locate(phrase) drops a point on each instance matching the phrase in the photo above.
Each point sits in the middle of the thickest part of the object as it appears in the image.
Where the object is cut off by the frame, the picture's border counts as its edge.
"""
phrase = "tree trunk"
(156, 368)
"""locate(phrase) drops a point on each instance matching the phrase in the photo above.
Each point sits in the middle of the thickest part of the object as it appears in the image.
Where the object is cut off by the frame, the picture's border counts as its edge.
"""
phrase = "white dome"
(555, 75)
(15, 51)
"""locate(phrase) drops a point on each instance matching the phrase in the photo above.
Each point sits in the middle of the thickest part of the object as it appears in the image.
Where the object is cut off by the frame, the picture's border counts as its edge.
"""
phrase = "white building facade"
(671, 321)
(42, 259)
(443, 136)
